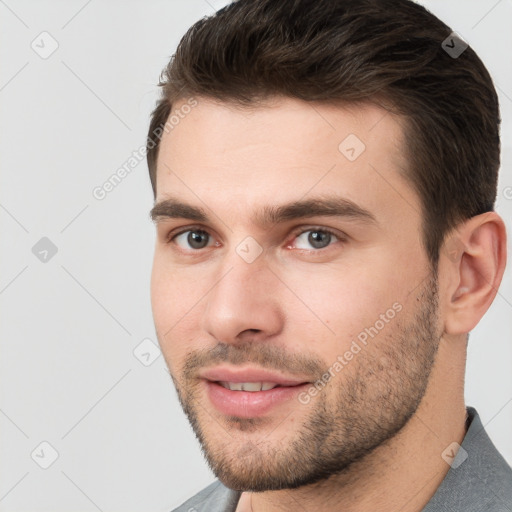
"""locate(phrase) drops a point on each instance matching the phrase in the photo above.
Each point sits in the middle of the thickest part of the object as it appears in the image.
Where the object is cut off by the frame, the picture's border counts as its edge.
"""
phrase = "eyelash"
(299, 231)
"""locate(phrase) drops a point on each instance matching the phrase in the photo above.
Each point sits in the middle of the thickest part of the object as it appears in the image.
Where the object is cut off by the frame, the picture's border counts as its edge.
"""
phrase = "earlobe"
(476, 259)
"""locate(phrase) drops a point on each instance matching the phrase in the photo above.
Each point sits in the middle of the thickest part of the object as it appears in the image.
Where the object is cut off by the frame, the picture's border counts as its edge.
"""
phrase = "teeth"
(248, 386)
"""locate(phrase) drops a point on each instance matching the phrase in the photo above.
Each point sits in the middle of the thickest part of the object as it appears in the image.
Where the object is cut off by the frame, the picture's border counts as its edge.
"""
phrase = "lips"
(242, 375)
(249, 392)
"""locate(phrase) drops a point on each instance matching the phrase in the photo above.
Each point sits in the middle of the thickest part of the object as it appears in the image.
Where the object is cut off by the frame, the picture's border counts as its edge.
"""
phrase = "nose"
(244, 304)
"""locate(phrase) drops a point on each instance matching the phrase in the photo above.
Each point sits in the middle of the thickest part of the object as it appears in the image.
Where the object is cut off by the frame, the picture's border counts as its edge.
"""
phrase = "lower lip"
(250, 404)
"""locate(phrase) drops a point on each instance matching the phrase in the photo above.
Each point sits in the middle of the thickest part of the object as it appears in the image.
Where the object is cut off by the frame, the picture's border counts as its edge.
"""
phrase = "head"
(312, 165)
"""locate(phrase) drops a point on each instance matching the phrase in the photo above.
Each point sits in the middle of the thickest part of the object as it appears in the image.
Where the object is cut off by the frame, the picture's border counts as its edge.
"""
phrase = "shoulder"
(214, 498)
(479, 479)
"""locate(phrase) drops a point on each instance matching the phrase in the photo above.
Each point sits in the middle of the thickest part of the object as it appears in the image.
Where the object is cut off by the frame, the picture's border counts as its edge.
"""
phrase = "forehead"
(282, 151)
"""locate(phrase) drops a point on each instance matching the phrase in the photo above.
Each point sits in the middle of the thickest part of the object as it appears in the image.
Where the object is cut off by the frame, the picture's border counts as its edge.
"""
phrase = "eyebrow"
(330, 206)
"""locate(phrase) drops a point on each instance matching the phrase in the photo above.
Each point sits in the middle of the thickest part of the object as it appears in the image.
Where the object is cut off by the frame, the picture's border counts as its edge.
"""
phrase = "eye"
(315, 238)
(196, 239)
(192, 239)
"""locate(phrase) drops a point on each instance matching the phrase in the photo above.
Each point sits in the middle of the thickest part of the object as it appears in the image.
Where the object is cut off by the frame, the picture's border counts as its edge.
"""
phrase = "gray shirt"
(479, 480)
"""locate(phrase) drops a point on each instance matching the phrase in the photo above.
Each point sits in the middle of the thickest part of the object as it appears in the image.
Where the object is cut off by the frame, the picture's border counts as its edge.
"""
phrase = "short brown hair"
(355, 51)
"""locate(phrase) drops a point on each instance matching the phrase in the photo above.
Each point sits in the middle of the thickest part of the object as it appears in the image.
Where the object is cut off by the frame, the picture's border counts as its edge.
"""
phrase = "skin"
(297, 306)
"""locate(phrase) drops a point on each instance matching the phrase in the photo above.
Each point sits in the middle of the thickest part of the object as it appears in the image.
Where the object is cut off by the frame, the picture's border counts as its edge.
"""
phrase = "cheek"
(345, 301)
(176, 304)
(173, 290)
(166, 306)
(161, 293)
(347, 309)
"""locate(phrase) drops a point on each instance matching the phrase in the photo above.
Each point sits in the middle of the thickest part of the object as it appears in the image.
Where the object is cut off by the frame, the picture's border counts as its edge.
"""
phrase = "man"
(324, 176)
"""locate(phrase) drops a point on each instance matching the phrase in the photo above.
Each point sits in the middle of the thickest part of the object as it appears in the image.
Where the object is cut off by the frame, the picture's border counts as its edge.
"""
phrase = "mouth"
(250, 392)
(251, 387)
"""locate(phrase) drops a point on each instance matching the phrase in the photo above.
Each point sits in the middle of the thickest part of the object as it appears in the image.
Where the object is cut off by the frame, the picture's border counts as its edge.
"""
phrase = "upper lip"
(248, 374)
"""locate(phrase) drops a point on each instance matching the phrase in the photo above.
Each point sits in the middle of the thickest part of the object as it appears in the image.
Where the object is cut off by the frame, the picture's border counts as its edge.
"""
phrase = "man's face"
(303, 268)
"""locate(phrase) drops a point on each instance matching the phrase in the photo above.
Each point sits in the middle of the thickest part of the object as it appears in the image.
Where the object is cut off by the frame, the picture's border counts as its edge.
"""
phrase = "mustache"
(263, 354)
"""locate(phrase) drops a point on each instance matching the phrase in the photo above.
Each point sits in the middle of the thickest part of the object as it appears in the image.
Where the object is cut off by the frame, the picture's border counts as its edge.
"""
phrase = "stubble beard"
(376, 395)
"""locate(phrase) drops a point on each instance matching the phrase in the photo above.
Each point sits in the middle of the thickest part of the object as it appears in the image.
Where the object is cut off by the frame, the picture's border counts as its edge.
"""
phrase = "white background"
(69, 326)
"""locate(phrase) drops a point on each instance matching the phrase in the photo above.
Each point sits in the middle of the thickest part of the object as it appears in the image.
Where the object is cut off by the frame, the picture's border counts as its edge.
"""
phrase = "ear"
(476, 255)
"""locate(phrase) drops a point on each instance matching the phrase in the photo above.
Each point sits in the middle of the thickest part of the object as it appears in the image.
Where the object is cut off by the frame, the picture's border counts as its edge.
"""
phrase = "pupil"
(319, 239)
(197, 239)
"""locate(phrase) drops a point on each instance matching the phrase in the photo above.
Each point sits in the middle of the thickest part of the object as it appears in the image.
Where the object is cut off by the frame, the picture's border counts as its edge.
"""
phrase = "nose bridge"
(243, 298)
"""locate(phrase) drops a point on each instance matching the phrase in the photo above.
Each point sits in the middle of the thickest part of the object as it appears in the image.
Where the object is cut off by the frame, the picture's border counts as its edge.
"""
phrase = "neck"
(401, 474)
